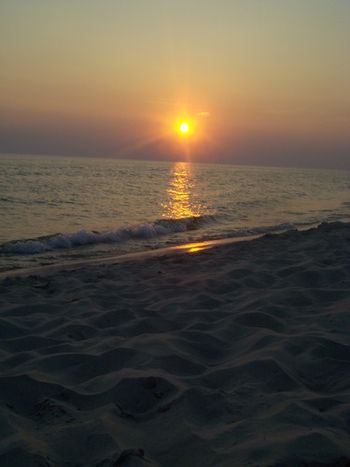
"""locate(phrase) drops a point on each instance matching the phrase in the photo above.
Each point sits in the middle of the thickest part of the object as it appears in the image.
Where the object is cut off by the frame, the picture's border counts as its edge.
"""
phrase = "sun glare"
(184, 127)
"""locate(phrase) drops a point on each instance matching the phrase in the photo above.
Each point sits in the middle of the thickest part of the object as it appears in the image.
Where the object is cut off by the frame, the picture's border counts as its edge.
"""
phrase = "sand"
(238, 355)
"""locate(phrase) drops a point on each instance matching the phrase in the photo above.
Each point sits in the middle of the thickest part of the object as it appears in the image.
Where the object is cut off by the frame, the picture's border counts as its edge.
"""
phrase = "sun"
(184, 127)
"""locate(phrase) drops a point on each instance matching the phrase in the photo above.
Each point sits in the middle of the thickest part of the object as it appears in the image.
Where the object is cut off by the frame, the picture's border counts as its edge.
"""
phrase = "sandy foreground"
(238, 355)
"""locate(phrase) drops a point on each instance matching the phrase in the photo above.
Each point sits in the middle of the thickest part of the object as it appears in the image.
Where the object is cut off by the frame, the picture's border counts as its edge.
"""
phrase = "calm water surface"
(55, 209)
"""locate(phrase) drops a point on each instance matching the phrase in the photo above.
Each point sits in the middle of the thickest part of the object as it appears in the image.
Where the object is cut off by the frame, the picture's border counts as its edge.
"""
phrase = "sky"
(263, 82)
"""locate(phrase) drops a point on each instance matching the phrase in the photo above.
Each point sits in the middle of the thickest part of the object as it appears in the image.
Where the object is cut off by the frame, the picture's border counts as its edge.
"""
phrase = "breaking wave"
(147, 230)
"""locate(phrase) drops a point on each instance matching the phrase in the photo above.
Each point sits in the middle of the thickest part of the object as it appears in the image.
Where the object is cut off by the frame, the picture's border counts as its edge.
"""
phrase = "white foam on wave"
(85, 237)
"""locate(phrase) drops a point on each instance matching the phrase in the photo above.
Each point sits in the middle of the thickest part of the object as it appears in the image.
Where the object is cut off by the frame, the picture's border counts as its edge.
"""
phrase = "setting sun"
(184, 127)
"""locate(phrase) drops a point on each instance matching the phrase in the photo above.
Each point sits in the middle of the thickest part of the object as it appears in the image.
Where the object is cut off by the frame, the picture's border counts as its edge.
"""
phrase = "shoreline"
(182, 248)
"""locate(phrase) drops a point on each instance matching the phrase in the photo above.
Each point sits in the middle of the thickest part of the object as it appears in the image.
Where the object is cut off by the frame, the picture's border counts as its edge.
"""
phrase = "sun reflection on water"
(195, 247)
(181, 201)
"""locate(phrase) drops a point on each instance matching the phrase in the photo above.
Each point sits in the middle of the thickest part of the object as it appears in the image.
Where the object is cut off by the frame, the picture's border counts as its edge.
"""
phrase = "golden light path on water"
(181, 201)
(195, 247)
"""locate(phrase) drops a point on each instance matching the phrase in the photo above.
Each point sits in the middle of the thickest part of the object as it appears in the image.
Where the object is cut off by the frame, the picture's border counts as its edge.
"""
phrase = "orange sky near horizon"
(123, 73)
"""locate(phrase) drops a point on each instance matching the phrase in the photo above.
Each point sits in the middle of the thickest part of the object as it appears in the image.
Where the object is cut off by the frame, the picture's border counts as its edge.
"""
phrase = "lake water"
(55, 209)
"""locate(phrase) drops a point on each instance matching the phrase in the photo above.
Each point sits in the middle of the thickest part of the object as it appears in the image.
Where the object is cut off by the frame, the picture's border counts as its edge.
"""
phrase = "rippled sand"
(234, 356)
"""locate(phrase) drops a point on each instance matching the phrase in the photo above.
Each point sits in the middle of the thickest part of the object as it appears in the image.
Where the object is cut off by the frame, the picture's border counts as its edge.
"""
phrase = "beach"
(175, 234)
(236, 355)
